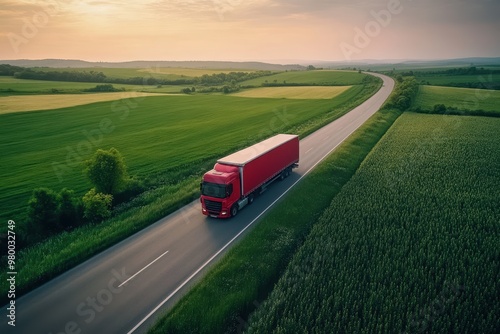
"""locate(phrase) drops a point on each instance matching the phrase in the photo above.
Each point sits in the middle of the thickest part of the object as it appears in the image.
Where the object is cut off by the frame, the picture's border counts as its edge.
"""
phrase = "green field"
(301, 92)
(451, 80)
(155, 135)
(319, 78)
(12, 86)
(461, 98)
(409, 245)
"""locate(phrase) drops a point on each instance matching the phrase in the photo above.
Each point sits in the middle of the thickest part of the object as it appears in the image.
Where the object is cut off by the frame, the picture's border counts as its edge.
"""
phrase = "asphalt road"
(122, 289)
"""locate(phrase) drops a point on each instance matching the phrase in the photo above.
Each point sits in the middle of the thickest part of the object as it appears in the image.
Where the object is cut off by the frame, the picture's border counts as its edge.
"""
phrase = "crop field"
(179, 72)
(409, 245)
(303, 92)
(447, 80)
(461, 98)
(12, 86)
(170, 73)
(154, 134)
(319, 78)
(17, 103)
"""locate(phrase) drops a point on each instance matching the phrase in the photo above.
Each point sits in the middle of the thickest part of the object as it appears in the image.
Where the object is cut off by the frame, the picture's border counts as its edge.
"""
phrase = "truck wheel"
(251, 197)
(234, 210)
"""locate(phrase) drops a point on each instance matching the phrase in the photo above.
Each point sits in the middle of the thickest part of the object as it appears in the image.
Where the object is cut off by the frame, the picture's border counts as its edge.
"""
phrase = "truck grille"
(212, 206)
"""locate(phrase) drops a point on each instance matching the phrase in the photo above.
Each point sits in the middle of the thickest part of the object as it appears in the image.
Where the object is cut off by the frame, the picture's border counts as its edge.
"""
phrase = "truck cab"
(220, 188)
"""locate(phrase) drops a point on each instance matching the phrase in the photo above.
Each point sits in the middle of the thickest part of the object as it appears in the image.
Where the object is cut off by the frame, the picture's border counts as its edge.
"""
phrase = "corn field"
(410, 245)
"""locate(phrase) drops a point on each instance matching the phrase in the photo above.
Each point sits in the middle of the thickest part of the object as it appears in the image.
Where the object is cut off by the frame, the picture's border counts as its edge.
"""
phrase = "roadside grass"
(222, 301)
(317, 77)
(301, 92)
(61, 252)
(460, 98)
(409, 245)
(175, 152)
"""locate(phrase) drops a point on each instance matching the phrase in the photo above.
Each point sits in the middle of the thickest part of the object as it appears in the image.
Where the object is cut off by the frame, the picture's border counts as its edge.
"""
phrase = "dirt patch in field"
(19, 103)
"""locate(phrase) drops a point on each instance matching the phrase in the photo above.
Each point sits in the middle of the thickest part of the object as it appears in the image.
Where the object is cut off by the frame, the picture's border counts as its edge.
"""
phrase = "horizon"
(250, 31)
(301, 62)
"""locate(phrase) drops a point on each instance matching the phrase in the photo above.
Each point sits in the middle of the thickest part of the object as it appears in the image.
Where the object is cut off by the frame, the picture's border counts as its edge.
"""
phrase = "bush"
(133, 187)
(42, 212)
(103, 88)
(96, 206)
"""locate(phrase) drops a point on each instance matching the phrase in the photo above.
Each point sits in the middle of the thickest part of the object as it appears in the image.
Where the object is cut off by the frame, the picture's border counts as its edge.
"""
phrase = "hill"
(375, 64)
(74, 63)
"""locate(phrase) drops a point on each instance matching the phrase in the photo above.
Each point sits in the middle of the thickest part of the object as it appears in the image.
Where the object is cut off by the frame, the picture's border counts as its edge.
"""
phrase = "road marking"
(309, 150)
(137, 273)
(237, 235)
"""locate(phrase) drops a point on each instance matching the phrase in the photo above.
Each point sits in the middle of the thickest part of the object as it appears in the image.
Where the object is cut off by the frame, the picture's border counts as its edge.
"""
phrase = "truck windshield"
(213, 190)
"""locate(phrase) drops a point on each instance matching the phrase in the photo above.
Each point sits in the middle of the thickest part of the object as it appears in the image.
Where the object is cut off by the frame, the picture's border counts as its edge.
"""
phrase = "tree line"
(404, 93)
(230, 78)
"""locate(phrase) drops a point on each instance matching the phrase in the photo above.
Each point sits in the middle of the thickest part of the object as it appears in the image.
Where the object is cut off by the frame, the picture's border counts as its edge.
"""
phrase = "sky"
(281, 31)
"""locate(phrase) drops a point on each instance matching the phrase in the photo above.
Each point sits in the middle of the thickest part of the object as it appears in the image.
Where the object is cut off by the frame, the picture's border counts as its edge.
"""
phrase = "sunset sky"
(242, 30)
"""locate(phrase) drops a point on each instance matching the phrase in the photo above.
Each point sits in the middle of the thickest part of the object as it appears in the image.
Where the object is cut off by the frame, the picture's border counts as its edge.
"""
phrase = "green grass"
(222, 301)
(451, 80)
(409, 245)
(320, 78)
(461, 98)
(13, 86)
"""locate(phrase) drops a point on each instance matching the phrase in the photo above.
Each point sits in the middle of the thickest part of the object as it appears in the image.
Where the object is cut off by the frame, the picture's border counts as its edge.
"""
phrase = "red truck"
(238, 178)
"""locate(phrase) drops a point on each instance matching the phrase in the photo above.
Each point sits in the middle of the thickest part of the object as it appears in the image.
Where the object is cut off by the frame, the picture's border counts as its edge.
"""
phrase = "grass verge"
(223, 300)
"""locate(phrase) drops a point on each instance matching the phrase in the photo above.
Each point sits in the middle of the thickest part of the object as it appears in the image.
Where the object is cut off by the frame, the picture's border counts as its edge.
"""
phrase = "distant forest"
(94, 76)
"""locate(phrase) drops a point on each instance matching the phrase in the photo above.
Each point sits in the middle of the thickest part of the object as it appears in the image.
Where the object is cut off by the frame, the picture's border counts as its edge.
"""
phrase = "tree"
(68, 208)
(42, 211)
(96, 206)
(107, 171)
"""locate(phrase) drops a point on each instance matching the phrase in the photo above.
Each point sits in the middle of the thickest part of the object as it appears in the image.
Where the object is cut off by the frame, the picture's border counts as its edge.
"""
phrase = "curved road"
(121, 289)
